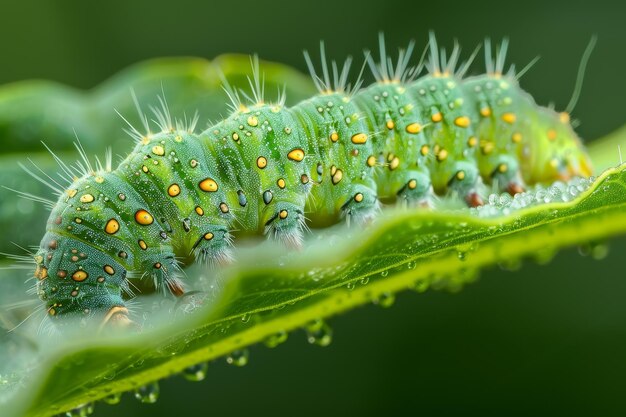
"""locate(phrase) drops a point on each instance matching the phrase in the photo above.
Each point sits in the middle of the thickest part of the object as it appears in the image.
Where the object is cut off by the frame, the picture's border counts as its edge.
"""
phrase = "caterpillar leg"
(464, 181)
(285, 221)
(416, 190)
(212, 245)
(361, 204)
(505, 174)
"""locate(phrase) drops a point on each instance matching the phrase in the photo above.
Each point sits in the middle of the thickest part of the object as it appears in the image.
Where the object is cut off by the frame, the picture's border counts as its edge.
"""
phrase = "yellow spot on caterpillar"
(460, 175)
(424, 150)
(334, 137)
(414, 128)
(178, 138)
(173, 190)
(80, 276)
(283, 214)
(390, 124)
(71, 193)
(158, 150)
(487, 147)
(509, 118)
(208, 236)
(472, 141)
(462, 121)
(436, 118)
(551, 134)
(144, 169)
(224, 208)
(371, 161)
(143, 217)
(281, 183)
(208, 185)
(86, 198)
(442, 155)
(253, 121)
(142, 244)
(554, 163)
(395, 162)
(333, 169)
(261, 162)
(337, 177)
(99, 180)
(78, 220)
(304, 179)
(412, 184)
(235, 136)
(564, 117)
(109, 269)
(358, 197)
(41, 272)
(485, 112)
(502, 168)
(199, 211)
(516, 137)
(112, 226)
(296, 155)
(359, 138)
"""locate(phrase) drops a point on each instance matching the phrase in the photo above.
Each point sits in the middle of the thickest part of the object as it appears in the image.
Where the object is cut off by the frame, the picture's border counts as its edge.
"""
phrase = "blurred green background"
(544, 340)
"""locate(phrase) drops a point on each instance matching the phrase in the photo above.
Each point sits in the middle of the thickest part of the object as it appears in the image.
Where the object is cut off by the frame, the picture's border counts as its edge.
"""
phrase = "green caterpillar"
(178, 195)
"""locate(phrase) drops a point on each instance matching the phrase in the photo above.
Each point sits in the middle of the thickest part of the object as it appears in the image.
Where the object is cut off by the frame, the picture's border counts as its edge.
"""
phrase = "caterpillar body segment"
(268, 169)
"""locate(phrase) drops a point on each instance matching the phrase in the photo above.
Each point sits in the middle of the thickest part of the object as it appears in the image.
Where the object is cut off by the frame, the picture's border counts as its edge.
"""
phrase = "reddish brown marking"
(514, 188)
(175, 288)
(474, 200)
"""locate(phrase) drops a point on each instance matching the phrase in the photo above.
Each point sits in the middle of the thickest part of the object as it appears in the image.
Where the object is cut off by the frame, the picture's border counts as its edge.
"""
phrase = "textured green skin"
(228, 153)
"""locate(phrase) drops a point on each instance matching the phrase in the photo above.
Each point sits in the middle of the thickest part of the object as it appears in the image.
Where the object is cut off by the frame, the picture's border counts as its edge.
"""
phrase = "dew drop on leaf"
(148, 394)
(113, 398)
(276, 339)
(238, 357)
(196, 372)
(319, 333)
(385, 299)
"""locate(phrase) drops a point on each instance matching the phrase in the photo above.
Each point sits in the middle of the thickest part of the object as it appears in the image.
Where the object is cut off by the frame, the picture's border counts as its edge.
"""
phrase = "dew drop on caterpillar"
(406, 138)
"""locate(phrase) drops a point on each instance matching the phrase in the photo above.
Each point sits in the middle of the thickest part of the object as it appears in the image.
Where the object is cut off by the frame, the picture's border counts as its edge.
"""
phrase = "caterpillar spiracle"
(406, 138)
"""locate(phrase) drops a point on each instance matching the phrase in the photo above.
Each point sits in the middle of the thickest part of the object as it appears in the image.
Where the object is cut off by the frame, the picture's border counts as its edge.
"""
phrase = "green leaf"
(268, 292)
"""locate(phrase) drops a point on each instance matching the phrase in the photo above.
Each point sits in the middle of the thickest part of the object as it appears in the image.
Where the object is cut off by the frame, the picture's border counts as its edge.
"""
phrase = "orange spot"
(390, 124)
(437, 117)
(296, 155)
(142, 244)
(371, 161)
(109, 269)
(412, 184)
(112, 227)
(414, 128)
(359, 138)
(551, 134)
(208, 185)
(86, 198)
(143, 217)
(173, 190)
(516, 137)
(80, 276)
(334, 137)
(208, 236)
(509, 118)
(199, 211)
(283, 214)
(281, 183)
(41, 272)
(485, 112)
(358, 197)
(261, 162)
(462, 121)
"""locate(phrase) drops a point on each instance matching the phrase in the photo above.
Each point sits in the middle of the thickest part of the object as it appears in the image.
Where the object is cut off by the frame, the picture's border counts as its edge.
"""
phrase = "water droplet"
(410, 265)
(384, 273)
(461, 255)
(276, 339)
(365, 280)
(319, 333)
(350, 285)
(196, 372)
(148, 394)
(599, 251)
(238, 357)
(80, 411)
(246, 318)
(385, 299)
(113, 398)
